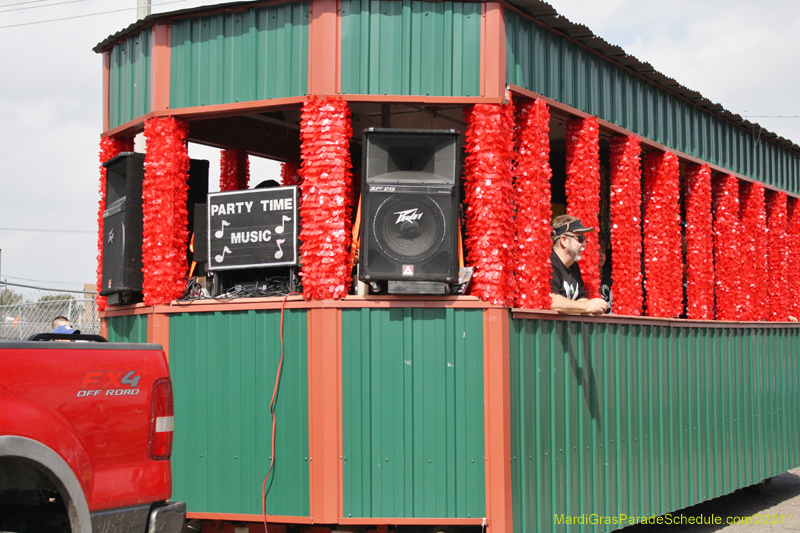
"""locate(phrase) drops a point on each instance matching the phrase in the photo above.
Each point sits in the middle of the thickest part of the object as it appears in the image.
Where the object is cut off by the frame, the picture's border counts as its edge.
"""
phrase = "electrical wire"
(49, 230)
(272, 412)
(87, 15)
(38, 7)
(23, 3)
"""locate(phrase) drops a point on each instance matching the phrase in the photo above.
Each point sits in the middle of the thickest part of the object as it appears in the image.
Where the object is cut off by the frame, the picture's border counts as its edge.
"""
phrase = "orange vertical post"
(162, 37)
(106, 87)
(493, 50)
(497, 419)
(324, 413)
(158, 330)
(324, 43)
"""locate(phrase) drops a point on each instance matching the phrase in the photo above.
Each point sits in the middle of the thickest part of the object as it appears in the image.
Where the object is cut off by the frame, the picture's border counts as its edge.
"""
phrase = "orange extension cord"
(272, 412)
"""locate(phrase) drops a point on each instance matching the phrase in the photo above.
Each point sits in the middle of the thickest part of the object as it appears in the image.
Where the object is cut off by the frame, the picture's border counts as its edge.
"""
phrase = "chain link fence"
(35, 314)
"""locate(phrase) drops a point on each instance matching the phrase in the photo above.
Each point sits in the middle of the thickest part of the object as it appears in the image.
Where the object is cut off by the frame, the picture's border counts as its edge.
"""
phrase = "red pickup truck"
(85, 438)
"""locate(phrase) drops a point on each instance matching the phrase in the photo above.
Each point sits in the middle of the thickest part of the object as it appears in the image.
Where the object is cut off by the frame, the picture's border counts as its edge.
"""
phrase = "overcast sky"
(740, 53)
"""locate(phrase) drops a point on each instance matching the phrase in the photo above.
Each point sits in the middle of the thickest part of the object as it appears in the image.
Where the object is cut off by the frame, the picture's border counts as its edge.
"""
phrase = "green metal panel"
(412, 413)
(643, 420)
(411, 48)
(549, 64)
(223, 368)
(132, 328)
(257, 54)
(129, 79)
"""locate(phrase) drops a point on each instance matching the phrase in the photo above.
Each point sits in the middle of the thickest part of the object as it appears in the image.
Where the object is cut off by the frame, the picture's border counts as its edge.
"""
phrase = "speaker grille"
(409, 227)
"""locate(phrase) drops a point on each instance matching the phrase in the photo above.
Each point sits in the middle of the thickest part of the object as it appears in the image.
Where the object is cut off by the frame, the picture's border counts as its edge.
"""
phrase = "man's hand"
(584, 306)
(596, 306)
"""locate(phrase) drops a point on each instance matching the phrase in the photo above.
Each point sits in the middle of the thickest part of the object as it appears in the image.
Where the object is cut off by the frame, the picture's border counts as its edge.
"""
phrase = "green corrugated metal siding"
(223, 369)
(240, 57)
(549, 64)
(411, 48)
(129, 80)
(132, 328)
(412, 413)
(644, 420)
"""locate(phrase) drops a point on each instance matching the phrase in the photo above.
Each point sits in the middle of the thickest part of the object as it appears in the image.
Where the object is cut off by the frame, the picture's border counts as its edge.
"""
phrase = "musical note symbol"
(284, 219)
(219, 258)
(219, 233)
(279, 253)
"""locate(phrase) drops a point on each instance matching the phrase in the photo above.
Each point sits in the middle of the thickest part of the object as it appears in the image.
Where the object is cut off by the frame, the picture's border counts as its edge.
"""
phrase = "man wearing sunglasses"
(568, 293)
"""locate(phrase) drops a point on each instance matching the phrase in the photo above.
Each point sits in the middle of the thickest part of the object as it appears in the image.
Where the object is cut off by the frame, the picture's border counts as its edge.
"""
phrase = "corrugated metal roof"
(544, 14)
(162, 18)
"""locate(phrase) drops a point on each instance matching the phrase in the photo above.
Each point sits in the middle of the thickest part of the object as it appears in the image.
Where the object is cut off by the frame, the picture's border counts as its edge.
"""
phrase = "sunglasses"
(580, 238)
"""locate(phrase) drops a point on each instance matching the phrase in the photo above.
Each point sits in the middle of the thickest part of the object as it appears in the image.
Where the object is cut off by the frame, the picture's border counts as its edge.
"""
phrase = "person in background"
(60, 321)
(566, 285)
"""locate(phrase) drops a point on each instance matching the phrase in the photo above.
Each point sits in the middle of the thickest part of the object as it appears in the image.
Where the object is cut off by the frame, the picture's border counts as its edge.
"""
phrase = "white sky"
(740, 53)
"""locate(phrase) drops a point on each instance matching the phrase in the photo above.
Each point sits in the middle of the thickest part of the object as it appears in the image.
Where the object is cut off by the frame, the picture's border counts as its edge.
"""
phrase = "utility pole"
(142, 9)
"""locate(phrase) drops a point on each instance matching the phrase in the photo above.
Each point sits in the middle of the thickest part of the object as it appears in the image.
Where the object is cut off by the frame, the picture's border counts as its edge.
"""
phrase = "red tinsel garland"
(325, 131)
(290, 174)
(626, 232)
(165, 216)
(532, 199)
(726, 247)
(793, 263)
(234, 170)
(109, 147)
(488, 175)
(778, 258)
(699, 244)
(753, 277)
(663, 263)
(583, 192)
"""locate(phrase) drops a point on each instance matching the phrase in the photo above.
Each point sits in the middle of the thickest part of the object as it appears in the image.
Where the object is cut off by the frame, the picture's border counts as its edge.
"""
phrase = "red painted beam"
(324, 45)
(493, 51)
(324, 413)
(497, 419)
(160, 67)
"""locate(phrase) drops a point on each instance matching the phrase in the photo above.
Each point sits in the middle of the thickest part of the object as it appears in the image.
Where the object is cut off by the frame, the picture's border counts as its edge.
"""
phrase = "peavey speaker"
(122, 229)
(409, 205)
(122, 223)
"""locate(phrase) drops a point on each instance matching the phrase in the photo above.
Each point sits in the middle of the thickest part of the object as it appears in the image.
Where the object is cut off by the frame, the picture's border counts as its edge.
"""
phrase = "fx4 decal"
(109, 383)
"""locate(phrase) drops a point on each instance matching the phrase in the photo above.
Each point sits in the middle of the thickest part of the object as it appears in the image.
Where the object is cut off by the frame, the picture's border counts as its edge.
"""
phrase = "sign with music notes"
(252, 228)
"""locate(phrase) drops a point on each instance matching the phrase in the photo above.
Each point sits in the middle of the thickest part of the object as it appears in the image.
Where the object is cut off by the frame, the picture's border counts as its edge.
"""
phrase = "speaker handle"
(460, 247)
(355, 242)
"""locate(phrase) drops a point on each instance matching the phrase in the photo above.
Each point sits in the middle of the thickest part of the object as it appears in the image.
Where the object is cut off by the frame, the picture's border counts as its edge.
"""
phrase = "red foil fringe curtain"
(109, 147)
(626, 233)
(699, 244)
(753, 276)
(583, 192)
(165, 216)
(327, 193)
(234, 170)
(726, 247)
(663, 264)
(488, 174)
(778, 258)
(290, 174)
(793, 235)
(532, 199)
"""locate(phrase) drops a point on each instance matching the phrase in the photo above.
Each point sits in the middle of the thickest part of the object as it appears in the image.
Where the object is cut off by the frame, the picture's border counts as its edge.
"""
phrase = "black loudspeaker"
(122, 229)
(409, 207)
(200, 233)
(122, 223)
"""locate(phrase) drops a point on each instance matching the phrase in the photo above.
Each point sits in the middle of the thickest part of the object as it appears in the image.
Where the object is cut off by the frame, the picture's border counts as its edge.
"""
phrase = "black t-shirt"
(566, 281)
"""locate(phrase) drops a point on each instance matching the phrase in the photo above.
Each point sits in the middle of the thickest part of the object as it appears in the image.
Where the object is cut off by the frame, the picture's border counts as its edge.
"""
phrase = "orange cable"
(272, 412)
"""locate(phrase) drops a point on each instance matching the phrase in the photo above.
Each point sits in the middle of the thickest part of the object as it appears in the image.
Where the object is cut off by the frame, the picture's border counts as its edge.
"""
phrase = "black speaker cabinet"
(122, 223)
(409, 208)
